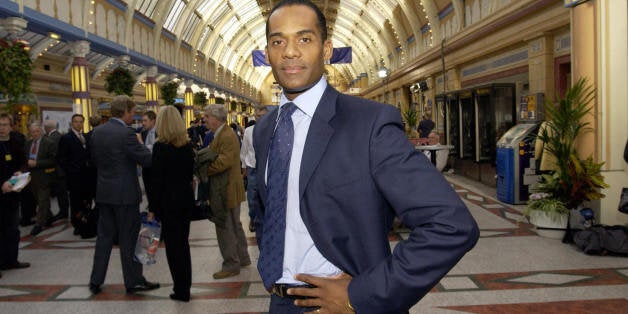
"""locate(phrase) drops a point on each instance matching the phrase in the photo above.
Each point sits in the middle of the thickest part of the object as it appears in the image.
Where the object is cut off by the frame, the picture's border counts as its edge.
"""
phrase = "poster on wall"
(63, 117)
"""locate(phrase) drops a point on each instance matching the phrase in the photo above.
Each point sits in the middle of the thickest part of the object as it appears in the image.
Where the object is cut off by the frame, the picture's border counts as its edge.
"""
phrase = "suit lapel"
(318, 137)
(265, 131)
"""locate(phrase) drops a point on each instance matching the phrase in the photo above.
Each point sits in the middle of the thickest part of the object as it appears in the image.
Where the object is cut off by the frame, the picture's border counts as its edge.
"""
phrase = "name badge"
(7, 157)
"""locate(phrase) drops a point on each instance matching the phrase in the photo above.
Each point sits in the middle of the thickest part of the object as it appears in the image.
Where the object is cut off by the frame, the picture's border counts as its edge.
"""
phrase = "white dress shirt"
(247, 152)
(300, 254)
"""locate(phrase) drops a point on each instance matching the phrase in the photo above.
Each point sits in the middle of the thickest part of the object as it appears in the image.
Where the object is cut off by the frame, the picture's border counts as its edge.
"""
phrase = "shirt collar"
(308, 101)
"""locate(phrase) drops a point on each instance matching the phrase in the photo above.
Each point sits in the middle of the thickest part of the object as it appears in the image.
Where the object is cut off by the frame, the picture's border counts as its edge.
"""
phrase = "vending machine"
(515, 163)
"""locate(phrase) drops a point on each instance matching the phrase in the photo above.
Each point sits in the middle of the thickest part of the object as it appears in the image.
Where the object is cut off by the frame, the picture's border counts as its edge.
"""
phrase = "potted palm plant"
(411, 117)
(574, 180)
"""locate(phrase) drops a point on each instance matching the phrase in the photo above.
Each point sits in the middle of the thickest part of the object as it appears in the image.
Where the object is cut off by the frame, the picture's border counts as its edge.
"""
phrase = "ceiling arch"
(228, 31)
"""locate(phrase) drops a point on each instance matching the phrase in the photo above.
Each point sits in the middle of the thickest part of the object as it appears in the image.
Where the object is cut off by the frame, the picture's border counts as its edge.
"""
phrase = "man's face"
(5, 127)
(36, 132)
(211, 122)
(77, 124)
(295, 49)
(432, 139)
(147, 122)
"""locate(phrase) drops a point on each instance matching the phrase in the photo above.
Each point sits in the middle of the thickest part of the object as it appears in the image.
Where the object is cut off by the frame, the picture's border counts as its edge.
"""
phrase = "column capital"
(13, 25)
(151, 71)
(123, 60)
(189, 83)
(79, 48)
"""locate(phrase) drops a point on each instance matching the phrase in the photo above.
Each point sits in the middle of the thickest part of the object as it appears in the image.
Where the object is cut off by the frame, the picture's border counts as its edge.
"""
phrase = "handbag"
(623, 201)
(147, 240)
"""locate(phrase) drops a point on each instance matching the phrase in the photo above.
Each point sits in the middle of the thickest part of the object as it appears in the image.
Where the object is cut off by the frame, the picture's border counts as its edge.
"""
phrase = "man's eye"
(305, 40)
(276, 42)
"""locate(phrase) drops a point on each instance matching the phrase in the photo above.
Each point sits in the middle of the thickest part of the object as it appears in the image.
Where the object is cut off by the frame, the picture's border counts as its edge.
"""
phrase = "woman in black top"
(173, 197)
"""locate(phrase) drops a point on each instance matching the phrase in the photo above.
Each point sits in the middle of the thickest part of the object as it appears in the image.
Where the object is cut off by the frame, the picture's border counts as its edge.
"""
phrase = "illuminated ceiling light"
(54, 36)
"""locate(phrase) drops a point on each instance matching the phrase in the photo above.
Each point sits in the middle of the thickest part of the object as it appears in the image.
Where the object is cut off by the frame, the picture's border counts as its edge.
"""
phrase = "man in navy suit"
(116, 150)
(351, 171)
(73, 157)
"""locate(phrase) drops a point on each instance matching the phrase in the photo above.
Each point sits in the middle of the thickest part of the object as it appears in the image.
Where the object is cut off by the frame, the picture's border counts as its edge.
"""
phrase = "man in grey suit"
(41, 153)
(58, 186)
(116, 151)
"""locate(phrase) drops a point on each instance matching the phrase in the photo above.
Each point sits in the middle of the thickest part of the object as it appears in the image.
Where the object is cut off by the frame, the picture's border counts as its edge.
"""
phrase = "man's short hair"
(7, 116)
(151, 115)
(218, 111)
(52, 124)
(120, 104)
(77, 115)
(94, 121)
(34, 124)
(322, 22)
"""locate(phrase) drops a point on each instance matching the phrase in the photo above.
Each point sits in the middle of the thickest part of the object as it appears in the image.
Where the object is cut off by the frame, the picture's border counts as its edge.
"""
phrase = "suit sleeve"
(136, 150)
(442, 229)
(227, 148)
(49, 151)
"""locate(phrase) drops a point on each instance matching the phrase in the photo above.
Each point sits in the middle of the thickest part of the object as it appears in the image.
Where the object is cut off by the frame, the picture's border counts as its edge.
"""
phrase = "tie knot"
(288, 109)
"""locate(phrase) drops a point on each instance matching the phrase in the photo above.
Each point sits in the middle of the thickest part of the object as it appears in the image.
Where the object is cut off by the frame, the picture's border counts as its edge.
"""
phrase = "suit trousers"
(232, 242)
(9, 229)
(122, 221)
(279, 305)
(27, 204)
(59, 190)
(175, 230)
(78, 185)
(40, 186)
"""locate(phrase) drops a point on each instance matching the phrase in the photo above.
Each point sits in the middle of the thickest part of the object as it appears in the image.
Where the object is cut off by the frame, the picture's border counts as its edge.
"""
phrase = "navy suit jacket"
(358, 171)
(116, 152)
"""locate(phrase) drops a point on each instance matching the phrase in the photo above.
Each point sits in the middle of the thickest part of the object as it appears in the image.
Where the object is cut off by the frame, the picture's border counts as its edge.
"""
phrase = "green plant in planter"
(15, 76)
(169, 92)
(543, 202)
(411, 117)
(574, 181)
(200, 99)
(120, 81)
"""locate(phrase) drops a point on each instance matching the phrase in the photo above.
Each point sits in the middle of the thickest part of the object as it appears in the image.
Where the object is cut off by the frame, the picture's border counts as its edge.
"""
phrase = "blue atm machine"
(515, 164)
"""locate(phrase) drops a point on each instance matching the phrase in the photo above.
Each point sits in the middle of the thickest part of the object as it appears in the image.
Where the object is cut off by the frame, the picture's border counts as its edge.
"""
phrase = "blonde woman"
(173, 197)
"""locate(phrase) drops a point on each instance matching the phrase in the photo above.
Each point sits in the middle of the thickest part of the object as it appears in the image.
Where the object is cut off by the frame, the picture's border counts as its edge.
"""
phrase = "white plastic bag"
(147, 241)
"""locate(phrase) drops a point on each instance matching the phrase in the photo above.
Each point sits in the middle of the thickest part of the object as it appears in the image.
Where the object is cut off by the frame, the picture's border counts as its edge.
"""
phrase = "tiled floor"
(511, 270)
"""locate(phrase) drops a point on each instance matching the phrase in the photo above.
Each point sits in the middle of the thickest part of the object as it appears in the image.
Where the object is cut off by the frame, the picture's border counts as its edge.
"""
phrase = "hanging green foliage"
(200, 99)
(169, 92)
(120, 82)
(15, 74)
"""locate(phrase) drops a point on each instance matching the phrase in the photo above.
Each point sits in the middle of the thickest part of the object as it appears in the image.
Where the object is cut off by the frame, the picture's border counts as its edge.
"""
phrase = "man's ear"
(266, 55)
(328, 50)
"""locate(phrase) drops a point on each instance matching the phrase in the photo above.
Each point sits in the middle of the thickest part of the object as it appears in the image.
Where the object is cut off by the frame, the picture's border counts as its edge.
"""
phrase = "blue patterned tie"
(270, 264)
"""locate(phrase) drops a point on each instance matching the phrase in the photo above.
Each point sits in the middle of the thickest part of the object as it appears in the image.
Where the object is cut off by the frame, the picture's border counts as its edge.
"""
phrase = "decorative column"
(212, 98)
(80, 81)
(150, 86)
(188, 110)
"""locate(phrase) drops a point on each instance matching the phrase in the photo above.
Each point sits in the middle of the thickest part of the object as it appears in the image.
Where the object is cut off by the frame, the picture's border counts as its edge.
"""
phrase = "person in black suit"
(58, 188)
(116, 150)
(173, 197)
(12, 160)
(148, 138)
(334, 171)
(73, 158)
